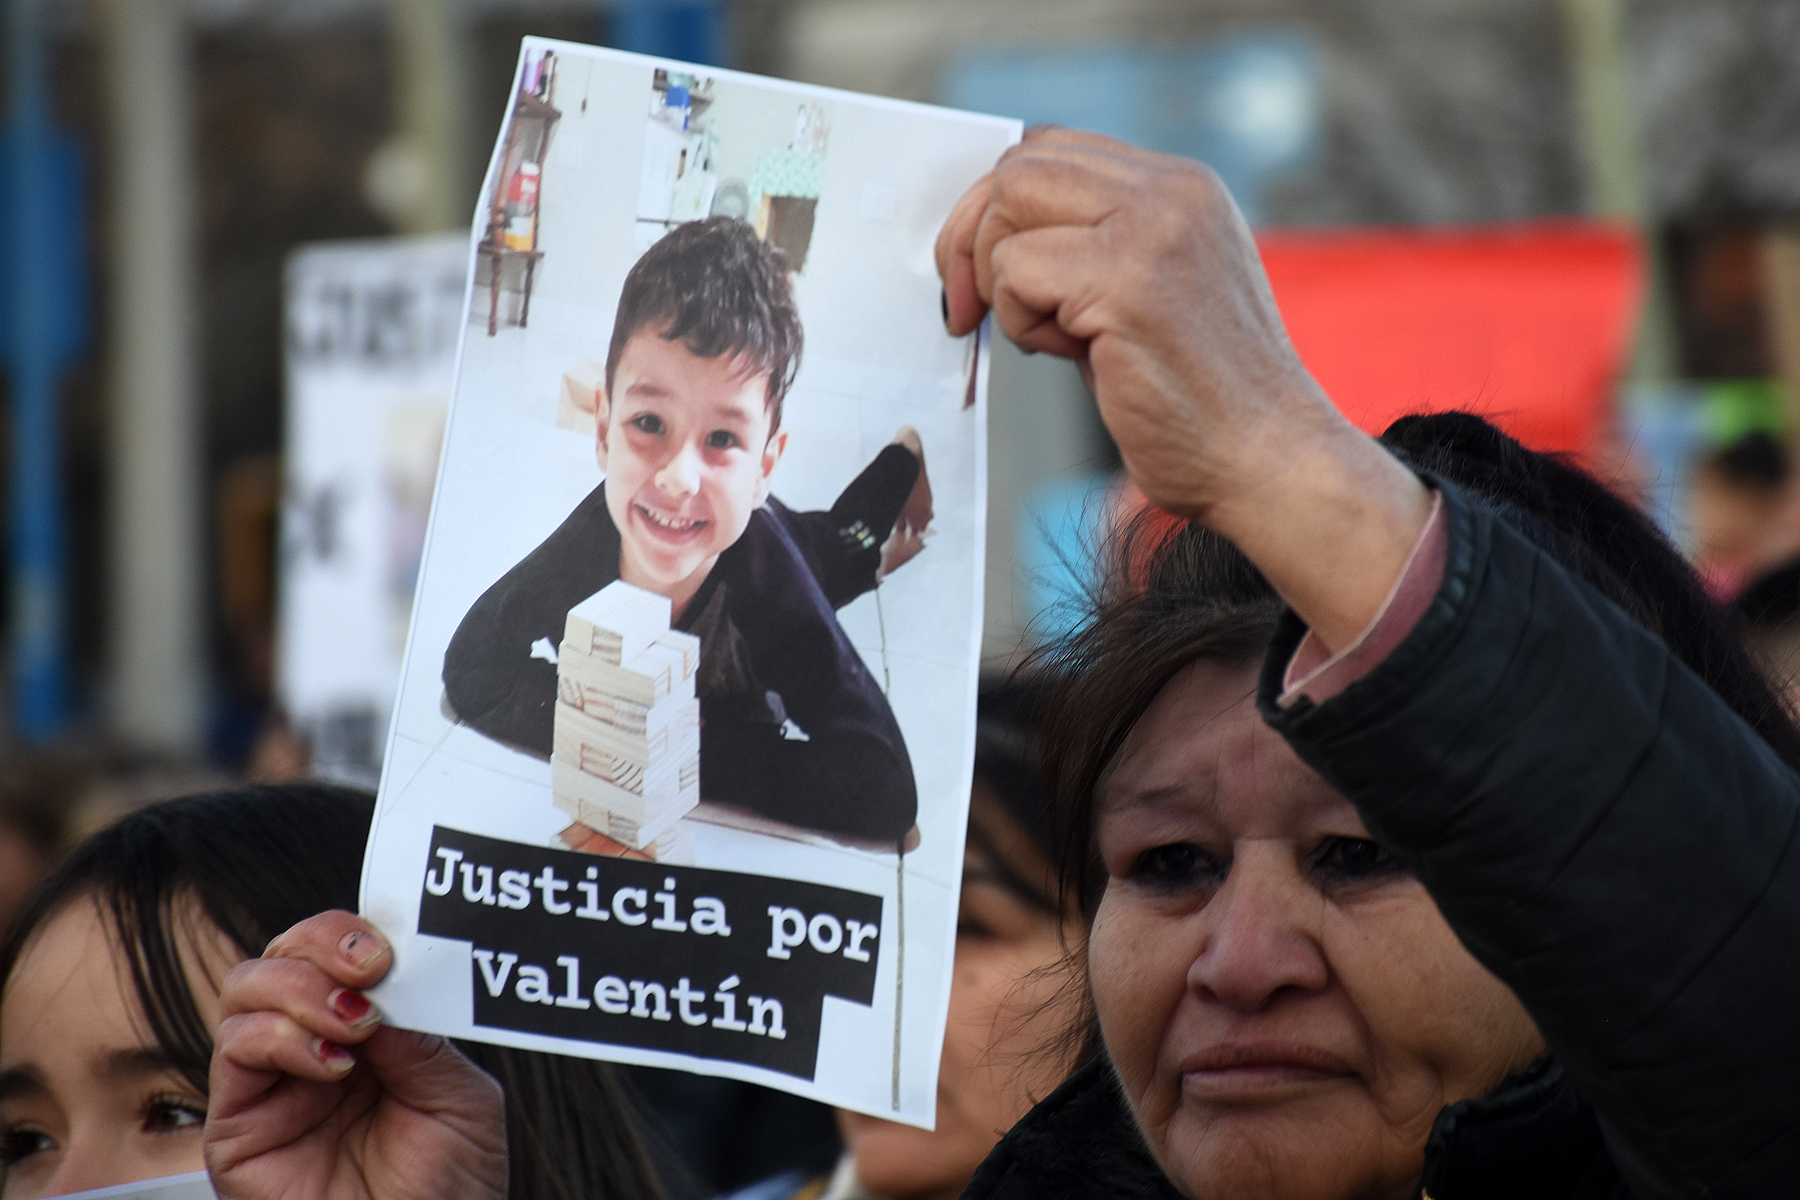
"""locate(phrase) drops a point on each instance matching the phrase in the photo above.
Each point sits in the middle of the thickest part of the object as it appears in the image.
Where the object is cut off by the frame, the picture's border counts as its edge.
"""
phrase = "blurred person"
(111, 1003)
(1739, 496)
(1445, 841)
(1008, 995)
(1770, 608)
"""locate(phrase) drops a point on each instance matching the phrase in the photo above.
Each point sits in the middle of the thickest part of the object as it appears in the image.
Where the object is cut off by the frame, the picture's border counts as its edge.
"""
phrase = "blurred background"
(165, 157)
(1579, 216)
(1621, 174)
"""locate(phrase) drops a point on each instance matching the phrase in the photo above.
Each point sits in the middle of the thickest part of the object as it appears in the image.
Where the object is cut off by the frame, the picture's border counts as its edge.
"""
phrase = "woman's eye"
(648, 423)
(17, 1145)
(168, 1114)
(1175, 866)
(1355, 860)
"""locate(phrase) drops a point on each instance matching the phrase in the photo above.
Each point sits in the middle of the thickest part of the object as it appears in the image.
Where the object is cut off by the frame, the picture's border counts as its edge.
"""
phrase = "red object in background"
(1528, 325)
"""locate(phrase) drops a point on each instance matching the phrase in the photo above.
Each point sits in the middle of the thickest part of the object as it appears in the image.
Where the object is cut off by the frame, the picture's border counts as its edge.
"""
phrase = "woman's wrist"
(1330, 517)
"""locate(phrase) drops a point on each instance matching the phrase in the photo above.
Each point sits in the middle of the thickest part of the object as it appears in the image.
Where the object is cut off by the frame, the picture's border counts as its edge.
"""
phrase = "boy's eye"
(1355, 860)
(721, 439)
(1176, 867)
(170, 1114)
(18, 1144)
(648, 423)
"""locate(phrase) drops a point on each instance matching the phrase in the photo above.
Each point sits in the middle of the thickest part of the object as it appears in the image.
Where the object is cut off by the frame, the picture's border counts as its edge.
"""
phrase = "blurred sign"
(1247, 106)
(1527, 325)
(371, 348)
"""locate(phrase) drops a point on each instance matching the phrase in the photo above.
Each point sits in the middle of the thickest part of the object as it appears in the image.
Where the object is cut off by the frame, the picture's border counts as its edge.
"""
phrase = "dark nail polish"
(944, 305)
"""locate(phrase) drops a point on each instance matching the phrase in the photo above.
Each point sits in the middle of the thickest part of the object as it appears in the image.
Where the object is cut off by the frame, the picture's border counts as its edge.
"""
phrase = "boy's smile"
(687, 451)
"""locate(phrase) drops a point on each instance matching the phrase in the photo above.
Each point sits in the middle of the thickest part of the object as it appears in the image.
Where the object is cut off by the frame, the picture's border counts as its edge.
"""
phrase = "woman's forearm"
(1141, 268)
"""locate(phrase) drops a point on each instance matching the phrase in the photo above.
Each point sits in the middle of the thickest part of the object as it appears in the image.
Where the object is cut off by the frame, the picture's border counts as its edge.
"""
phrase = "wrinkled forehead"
(1201, 749)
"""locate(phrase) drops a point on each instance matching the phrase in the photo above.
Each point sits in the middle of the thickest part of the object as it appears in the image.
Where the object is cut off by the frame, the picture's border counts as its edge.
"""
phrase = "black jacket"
(1533, 1139)
(772, 652)
(1608, 839)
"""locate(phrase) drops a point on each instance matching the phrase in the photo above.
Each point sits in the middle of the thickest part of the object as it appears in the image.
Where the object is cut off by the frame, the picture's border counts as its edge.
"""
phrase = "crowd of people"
(1406, 819)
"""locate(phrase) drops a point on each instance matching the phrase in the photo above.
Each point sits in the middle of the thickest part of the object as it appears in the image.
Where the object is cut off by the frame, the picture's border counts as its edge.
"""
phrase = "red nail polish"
(333, 1055)
(353, 1007)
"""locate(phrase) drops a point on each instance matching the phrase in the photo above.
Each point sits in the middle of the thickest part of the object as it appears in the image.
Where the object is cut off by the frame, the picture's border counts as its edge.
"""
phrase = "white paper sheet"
(762, 775)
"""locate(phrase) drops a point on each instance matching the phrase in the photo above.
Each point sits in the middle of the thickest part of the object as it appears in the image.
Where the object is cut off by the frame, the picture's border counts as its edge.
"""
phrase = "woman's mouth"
(669, 526)
(1253, 1070)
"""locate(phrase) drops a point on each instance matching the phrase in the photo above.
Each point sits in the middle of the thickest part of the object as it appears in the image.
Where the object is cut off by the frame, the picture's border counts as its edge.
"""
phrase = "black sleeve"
(1605, 836)
(843, 546)
(842, 766)
(491, 678)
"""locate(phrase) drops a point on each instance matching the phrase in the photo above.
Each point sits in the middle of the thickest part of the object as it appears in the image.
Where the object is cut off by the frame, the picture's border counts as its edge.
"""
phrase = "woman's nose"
(1262, 937)
(680, 475)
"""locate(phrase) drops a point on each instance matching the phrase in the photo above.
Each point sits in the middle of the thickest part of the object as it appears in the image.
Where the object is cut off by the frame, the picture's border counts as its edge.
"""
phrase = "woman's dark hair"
(721, 291)
(1175, 593)
(254, 861)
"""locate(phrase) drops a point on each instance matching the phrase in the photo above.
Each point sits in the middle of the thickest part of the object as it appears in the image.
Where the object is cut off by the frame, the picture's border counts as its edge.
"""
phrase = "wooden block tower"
(626, 761)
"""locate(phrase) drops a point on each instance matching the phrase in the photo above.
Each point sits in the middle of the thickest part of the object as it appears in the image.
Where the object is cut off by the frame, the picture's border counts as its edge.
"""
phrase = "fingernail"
(361, 948)
(333, 1055)
(353, 1008)
(944, 306)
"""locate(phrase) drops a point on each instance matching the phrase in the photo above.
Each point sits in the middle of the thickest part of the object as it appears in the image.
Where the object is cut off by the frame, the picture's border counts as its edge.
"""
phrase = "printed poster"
(371, 337)
(680, 760)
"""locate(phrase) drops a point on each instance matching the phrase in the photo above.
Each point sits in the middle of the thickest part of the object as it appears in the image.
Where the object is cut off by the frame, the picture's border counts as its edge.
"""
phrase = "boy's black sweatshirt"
(772, 652)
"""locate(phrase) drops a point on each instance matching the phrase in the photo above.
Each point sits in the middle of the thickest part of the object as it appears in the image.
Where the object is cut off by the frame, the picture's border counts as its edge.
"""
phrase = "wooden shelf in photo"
(499, 256)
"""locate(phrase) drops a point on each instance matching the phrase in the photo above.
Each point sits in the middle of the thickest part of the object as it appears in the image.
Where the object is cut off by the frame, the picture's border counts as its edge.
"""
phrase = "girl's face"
(1285, 1006)
(87, 1097)
(1001, 1013)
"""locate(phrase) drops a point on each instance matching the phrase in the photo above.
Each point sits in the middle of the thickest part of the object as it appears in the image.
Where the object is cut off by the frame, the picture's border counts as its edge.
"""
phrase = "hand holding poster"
(680, 761)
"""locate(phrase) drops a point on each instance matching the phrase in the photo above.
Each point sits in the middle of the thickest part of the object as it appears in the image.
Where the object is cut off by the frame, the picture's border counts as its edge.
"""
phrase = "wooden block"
(593, 794)
(648, 679)
(617, 623)
(685, 644)
(674, 734)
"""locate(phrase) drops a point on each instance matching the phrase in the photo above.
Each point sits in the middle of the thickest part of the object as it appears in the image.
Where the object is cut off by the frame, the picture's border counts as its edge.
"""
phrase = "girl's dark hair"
(254, 861)
(1175, 593)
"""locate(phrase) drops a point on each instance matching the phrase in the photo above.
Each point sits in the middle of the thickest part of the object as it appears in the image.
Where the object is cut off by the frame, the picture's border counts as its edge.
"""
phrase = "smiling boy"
(705, 346)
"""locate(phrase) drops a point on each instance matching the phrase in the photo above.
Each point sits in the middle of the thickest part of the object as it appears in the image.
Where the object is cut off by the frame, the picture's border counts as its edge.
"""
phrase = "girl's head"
(1006, 995)
(112, 974)
(1286, 1010)
(111, 984)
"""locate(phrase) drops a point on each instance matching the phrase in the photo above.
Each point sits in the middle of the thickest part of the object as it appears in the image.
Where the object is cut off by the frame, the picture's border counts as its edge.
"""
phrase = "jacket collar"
(1532, 1136)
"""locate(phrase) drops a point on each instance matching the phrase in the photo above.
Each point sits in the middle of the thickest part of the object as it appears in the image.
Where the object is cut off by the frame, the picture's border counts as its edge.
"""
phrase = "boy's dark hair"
(719, 290)
(255, 860)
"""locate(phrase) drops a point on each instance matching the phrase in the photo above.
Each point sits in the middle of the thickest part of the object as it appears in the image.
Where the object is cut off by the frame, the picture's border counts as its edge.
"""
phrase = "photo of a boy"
(794, 728)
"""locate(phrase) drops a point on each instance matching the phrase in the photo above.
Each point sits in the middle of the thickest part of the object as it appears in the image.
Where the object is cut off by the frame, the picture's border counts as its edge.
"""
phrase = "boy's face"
(686, 447)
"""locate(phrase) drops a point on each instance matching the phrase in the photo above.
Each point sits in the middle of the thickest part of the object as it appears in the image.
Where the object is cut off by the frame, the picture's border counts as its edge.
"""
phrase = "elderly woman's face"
(1284, 1005)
